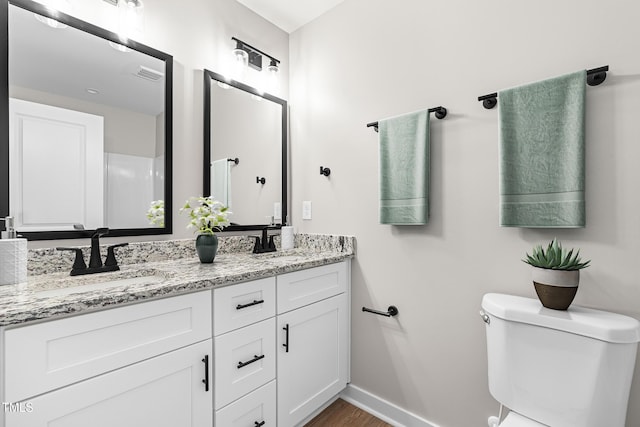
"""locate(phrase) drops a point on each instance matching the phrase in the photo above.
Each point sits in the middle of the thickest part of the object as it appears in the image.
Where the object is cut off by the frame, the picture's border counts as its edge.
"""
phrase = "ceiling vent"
(149, 74)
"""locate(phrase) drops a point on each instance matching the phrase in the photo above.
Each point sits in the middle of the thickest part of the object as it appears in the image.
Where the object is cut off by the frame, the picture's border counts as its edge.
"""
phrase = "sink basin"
(96, 284)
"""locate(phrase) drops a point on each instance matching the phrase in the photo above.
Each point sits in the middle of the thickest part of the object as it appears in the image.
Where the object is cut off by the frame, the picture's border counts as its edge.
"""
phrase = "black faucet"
(95, 261)
(266, 244)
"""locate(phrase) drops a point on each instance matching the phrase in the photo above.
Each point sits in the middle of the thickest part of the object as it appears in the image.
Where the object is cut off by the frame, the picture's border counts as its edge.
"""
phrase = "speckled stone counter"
(169, 268)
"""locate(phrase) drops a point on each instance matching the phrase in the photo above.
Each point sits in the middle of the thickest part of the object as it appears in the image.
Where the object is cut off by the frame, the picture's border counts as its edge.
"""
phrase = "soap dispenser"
(13, 255)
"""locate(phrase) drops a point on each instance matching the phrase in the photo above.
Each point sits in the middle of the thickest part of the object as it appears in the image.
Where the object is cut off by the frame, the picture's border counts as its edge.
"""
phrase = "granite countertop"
(51, 296)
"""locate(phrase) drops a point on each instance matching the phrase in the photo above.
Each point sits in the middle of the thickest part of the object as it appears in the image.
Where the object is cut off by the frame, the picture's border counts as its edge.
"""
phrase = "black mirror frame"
(209, 77)
(4, 120)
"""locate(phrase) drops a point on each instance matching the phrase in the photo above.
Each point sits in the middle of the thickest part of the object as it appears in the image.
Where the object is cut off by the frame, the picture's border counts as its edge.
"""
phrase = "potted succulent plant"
(556, 274)
(206, 216)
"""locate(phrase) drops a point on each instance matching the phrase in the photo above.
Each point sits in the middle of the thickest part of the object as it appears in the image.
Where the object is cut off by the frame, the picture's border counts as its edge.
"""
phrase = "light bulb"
(272, 77)
(130, 19)
(241, 59)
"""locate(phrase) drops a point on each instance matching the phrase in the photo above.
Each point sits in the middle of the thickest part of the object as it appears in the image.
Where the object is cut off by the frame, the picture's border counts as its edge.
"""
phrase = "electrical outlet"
(306, 209)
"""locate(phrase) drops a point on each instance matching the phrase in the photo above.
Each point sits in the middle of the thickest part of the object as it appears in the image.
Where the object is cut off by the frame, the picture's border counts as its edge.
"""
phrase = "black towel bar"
(391, 311)
(236, 160)
(440, 111)
(595, 76)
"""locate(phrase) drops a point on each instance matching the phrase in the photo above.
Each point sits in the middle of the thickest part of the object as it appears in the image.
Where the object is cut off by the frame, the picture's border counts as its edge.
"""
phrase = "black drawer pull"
(206, 372)
(255, 302)
(259, 424)
(286, 338)
(249, 362)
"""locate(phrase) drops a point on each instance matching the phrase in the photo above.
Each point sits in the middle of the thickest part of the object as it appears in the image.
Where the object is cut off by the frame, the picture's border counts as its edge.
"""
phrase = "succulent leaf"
(555, 257)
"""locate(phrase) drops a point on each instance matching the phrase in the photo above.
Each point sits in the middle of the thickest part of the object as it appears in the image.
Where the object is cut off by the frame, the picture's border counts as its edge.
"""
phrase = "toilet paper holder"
(391, 311)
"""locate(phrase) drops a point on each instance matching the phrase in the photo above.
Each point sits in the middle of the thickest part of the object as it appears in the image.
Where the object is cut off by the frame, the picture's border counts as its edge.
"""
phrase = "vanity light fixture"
(131, 18)
(130, 21)
(247, 56)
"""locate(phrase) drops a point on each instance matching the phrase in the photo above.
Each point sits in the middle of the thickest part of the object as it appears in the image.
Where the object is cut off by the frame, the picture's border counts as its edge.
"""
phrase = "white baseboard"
(386, 411)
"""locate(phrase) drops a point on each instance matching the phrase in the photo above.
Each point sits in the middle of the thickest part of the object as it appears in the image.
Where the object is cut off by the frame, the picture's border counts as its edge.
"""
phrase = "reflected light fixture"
(130, 21)
(247, 56)
(55, 7)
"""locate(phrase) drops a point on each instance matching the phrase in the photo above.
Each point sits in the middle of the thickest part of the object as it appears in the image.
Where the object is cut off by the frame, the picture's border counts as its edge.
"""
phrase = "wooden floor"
(341, 413)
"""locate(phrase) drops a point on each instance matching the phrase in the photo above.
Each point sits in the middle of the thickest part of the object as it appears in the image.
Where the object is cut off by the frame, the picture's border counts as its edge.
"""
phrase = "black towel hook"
(262, 180)
(325, 171)
(595, 77)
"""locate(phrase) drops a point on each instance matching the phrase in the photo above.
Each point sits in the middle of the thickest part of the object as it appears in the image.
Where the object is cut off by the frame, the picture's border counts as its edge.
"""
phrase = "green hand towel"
(404, 169)
(542, 153)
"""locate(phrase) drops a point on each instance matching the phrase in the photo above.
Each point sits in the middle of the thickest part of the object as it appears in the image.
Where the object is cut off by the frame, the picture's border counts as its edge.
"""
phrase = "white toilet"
(559, 368)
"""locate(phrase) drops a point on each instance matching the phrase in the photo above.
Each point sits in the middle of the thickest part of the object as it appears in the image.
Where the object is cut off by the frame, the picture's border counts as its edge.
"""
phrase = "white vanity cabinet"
(313, 339)
(146, 364)
(281, 346)
(269, 352)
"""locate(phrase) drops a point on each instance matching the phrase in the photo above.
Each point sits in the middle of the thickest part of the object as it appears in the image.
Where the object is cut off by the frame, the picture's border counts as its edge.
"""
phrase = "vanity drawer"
(49, 355)
(240, 305)
(245, 359)
(253, 409)
(305, 287)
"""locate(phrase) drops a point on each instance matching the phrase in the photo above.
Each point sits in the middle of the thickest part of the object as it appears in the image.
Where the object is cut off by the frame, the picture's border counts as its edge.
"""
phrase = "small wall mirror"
(245, 152)
(89, 125)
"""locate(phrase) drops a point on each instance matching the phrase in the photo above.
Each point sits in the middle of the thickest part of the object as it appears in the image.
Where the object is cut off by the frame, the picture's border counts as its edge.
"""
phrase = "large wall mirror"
(245, 152)
(86, 122)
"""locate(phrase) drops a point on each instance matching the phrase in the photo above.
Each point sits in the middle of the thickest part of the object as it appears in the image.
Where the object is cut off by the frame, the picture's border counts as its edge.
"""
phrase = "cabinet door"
(165, 391)
(312, 358)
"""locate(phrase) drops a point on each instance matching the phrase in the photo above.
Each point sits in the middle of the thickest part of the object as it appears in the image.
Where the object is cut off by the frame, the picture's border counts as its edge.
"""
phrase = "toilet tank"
(560, 368)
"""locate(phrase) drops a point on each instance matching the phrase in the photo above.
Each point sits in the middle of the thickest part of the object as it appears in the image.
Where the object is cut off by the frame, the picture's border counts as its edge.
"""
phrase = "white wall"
(198, 35)
(370, 59)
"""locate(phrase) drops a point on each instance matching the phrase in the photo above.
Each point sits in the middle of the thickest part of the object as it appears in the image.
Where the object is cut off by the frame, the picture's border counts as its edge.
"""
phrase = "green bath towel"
(404, 169)
(542, 153)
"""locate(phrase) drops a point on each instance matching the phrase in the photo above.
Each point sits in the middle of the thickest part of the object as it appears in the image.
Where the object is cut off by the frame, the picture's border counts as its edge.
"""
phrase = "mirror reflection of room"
(249, 128)
(87, 127)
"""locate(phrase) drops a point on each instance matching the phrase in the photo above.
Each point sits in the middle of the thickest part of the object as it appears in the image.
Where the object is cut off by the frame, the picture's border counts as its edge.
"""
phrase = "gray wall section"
(370, 59)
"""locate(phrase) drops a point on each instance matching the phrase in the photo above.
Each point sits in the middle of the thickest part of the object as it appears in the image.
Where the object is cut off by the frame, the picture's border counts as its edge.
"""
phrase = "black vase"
(207, 247)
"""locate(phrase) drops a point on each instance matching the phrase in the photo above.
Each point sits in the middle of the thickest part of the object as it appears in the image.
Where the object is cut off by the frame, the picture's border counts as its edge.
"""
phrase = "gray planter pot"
(556, 289)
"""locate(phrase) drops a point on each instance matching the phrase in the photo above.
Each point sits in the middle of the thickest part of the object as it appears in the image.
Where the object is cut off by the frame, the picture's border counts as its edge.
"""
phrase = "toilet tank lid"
(602, 325)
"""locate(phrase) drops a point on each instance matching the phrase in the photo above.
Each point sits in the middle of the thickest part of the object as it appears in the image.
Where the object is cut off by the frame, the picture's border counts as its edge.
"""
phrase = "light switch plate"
(306, 209)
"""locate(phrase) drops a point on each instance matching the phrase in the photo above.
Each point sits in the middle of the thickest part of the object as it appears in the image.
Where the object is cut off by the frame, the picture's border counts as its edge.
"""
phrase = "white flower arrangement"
(206, 214)
(155, 214)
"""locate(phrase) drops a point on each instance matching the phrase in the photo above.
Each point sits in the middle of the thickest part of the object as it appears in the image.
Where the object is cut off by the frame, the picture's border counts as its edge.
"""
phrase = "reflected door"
(56, 167)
